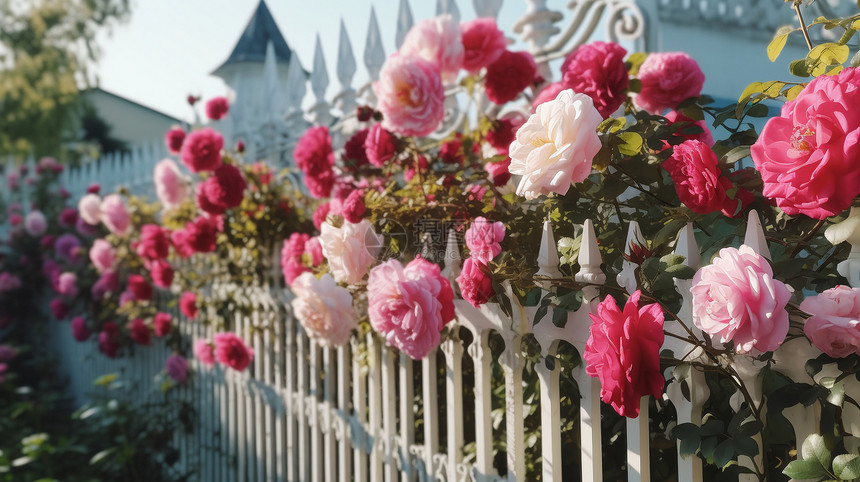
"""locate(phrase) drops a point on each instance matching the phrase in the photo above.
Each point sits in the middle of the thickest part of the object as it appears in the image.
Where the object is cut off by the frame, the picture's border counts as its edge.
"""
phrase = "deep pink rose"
(411, 97)
(483, 43)
(68, 248)
(154, 242)
(291, 257)
(321, 213)
(68, 217)
(225, 189)
(353, 207)
(109, 339)
(451, 152)
(409, 306)
(700, 184)
(313, 249)
(509, 75)
(217, 107)
(173, 139)
(141, 289)
(475, 282)
(313, 152)
(483, 238)
(623, 351)
(139, 332)
(597, 70)
(108, 282)
(15, 220)
(94, 188)
(179, 238)
(79, 329)
(320, 183)
(737, 299)
(808, 156)
(115, 215)
(188, 304)
(201, 234)
(354, 154)
(438, 41)
(162, 322)
(685, 123)
(834, 326)
(170, 185)
(59, 309)
(232, 351)
(203, 201)
(499, 172)
(667, 80)
(161, 273)
(379, 145)
(201, 150)
(205, 352)
(503, 131)
(176, 367)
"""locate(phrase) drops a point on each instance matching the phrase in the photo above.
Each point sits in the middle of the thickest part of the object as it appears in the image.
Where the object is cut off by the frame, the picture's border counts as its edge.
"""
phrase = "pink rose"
(201, 150)
(320, 184)
(179, 238)
(509, 75)
(623, 351)
(225, 189)
(313, 249)
(232, 351)
(737, 299)
(700, 184)
(554, 149)
(291, 257)
(188, 304)
(90, 208)
(217, 107)
(161, 273)
(67, 284)
(173, 139)
(438, 41)
(409, 306)
(597, 70)
(350, 250)
(205, 352)
(171, 186)
(154, 242)
(35, 224)
(379, 145)
(162, 322)
(79, 329)
(807, 156)
(115, 215)
(475, 282)
(483, 238)
(834, 326)
(667, 80)
(483, 43)
(321, 213)
(353, 207)
(176, 367)
(411, 97)
(313, 152)
(324, 309)
(200, 234)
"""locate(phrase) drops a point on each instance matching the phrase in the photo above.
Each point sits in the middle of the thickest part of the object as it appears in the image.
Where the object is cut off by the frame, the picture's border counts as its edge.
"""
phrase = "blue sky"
(167, 48)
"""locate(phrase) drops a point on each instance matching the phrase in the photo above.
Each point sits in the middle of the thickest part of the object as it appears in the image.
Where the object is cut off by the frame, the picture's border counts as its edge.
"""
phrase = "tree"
(47, 48)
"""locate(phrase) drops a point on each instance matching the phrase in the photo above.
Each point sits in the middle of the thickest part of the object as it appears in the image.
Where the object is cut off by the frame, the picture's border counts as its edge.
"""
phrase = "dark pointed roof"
(251, 47)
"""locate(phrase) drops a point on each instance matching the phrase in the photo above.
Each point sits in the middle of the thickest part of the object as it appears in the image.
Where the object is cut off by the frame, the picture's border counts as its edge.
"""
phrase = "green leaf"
(746, 446)
(684, 431)
(689, 446)
(805, 469)
(776, 45)
(815, 447)
(681, 271)
(824, 55)
(105, 379)
(632, 143)
(799, 68)
(847, 466)
(723, 453)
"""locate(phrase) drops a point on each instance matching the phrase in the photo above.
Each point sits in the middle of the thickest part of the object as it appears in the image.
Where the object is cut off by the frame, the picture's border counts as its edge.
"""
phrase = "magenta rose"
(483, 43)
(162, 322)
(108, 282)
(161, 273)
(623, 351)
(353, 207)
(59, 308)
(313, 152)
(409, 306)
(379, 145)
(79, 329)
(737, 299)
(834, 326)
(667, 80)
(173, 139)
(700, 184)
(188, 304)
(139, 332)
(597, 70)
(509, 75)
(176, 367)
(139, 287)
(154, 242)
(354, 154)
(200, 234)
(201, 150)
(217, 107)
(109, 339)
(410, 96)
(225, 189)
(808, 155)
(475, 282)
(230, 350)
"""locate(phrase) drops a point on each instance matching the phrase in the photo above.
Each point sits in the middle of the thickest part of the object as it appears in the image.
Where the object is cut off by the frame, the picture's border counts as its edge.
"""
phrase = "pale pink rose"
(350, 249)
(483, 43)
(834, 326)
(115, 215)
(438, 41)
(411, 97)
(90, 208)
(67, 284)
(205, 352)
(324, 309)
(667, 80)
(103, 255)
(170, 185)
(737, 299)
(483, 238)
(555, 147)
(409, 306)
(35, 223)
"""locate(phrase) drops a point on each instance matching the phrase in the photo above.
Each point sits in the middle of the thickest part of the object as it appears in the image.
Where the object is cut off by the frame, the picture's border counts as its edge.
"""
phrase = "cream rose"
(350, 249)
(554, 148)
(324, 309)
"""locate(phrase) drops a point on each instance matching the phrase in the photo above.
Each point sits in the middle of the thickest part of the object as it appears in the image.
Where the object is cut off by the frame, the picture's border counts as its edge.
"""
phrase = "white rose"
(350, 249)
(554, 148)
(324, 309)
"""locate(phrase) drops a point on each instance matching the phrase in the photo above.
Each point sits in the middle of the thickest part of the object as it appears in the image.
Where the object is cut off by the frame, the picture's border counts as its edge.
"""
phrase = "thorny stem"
(802, 25)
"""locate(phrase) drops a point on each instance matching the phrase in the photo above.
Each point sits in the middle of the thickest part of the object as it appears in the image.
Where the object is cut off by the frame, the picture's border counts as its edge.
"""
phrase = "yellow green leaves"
(825, 55)
(776, 45)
